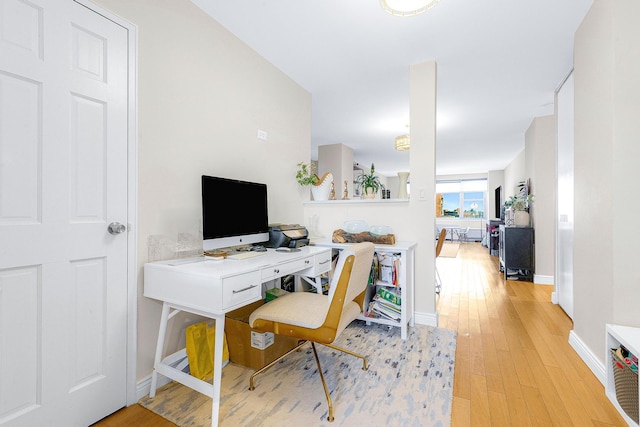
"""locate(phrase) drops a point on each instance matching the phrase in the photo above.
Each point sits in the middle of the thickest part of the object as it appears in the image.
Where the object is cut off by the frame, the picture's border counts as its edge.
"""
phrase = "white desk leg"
(164, 317)
(217, 370)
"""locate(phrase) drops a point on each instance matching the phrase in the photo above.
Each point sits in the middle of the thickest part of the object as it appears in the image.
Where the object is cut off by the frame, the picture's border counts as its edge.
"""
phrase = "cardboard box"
(240, 339)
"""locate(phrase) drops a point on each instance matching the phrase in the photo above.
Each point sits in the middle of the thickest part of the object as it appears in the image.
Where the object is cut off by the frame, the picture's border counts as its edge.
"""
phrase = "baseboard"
(554, 298)
(542, 280)
(143, 387)
(429, 319)
(588, 357)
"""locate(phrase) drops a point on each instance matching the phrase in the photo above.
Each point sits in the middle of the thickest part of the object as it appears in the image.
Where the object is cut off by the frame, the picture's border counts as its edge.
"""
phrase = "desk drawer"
(241, 288)
(322, 263)
(284, 268)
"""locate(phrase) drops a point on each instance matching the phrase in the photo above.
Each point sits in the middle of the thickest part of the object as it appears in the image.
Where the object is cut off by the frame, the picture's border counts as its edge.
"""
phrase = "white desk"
(212, 288)
(406, 279)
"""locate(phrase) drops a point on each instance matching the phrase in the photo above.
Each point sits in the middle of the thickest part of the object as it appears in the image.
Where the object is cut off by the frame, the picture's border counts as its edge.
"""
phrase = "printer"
(287, 235)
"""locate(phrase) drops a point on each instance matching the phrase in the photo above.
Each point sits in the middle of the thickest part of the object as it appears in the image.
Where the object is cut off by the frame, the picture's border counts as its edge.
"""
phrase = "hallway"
(514, 365)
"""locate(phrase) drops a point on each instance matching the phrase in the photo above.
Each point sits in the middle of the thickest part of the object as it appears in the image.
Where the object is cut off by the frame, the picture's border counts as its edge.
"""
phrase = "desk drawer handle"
(244, 289)
(306, 261)
(324, 262)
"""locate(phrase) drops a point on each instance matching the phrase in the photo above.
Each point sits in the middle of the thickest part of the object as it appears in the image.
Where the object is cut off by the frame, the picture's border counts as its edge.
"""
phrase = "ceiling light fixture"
(407, 7)
(403, 143)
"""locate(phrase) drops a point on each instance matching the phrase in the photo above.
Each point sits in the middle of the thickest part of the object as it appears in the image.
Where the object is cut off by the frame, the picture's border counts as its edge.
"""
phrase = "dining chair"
(439, 244)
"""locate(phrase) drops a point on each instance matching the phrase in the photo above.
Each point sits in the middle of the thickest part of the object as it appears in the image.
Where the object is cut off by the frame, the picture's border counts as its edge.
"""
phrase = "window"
(473, 204)
(451, 205)
(461, 199)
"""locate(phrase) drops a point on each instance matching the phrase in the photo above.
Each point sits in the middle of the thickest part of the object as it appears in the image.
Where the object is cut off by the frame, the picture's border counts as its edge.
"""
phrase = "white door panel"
(565, 190)
(63, 179)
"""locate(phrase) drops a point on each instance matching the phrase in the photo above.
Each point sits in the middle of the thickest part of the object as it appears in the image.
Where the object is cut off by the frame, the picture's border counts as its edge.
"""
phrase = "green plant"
(305, 175)
(519, 202)
(369, 180)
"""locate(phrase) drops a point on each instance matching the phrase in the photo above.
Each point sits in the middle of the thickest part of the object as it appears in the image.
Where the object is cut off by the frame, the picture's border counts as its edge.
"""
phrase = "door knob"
(116, 228)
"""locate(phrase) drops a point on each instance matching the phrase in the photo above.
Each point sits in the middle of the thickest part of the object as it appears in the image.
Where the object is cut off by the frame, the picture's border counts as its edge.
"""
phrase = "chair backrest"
(441, 239)
(349, 283)
(360, 271)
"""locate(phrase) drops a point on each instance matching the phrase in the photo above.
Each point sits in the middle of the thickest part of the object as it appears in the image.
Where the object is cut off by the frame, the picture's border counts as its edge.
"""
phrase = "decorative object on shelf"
(517, 210)
(369, 182)
(341, 236)
(403, 177)
(521, 218)
(320, 187)
(407, 7)
(355, 226)
(332, 192)
(345, 193)
(379, 230)
(403, 143)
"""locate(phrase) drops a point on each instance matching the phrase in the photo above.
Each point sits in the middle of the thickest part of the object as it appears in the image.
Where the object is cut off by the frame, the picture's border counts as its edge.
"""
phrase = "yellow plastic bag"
(200, 340)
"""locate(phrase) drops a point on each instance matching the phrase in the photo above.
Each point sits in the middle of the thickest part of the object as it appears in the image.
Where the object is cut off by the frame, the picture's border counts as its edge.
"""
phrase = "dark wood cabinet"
(516, 252)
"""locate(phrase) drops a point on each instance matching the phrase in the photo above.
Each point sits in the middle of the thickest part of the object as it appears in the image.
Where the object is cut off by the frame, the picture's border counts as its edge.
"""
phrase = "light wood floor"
(514, 365)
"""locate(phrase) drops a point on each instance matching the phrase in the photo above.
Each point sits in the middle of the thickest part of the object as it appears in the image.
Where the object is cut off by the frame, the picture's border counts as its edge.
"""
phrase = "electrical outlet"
(262, 135)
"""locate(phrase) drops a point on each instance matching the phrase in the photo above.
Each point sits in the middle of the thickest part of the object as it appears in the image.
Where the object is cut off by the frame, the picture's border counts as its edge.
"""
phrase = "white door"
(63, 180)
(564, 252)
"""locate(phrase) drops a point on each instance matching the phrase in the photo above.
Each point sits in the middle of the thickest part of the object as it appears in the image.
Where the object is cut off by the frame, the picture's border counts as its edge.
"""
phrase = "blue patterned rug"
(409, 383)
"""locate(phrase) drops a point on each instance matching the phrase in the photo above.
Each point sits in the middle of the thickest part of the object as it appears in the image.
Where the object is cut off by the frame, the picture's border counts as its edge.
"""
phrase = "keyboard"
(245, 254)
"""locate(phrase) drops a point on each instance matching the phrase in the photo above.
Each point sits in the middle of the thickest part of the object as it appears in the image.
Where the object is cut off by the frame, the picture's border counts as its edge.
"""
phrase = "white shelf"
(354, 201)
(406, 277)
(629, 337)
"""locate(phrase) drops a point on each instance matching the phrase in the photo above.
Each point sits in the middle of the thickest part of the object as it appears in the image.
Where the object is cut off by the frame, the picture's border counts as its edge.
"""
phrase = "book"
(386, 312)
(390, 295)
(381, 308)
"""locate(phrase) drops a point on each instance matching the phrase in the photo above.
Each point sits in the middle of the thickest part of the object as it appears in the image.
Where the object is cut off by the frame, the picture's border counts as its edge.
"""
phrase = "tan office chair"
(441, 238)
(320, 318)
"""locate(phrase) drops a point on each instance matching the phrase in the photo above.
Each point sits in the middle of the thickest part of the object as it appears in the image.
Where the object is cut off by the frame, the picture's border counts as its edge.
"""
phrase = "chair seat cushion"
(304, 309)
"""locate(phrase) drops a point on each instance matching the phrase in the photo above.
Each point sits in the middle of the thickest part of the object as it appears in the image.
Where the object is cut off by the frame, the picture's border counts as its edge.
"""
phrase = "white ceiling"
(499, 62)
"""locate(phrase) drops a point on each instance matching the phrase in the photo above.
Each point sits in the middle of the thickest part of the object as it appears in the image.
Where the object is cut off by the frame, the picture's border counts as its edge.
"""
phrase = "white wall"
(514, 173)
(540, 153)
(607, 105)
(203, 95)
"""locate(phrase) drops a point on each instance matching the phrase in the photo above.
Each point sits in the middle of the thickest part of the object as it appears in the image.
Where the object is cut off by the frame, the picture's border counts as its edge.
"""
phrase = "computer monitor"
(234, 213)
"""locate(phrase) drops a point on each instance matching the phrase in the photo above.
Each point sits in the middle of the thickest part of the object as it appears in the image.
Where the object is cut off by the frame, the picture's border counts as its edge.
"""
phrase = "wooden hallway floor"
(514, 364)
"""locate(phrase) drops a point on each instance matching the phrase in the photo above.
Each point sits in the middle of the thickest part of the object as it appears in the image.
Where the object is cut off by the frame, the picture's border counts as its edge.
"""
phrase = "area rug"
(409, 383)
(450, 250)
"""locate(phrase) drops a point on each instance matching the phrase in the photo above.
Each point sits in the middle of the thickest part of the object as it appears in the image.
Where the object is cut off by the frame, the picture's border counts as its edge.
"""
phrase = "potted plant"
(519, 207)
(320, 187)
(304, 175)
(369, 183)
